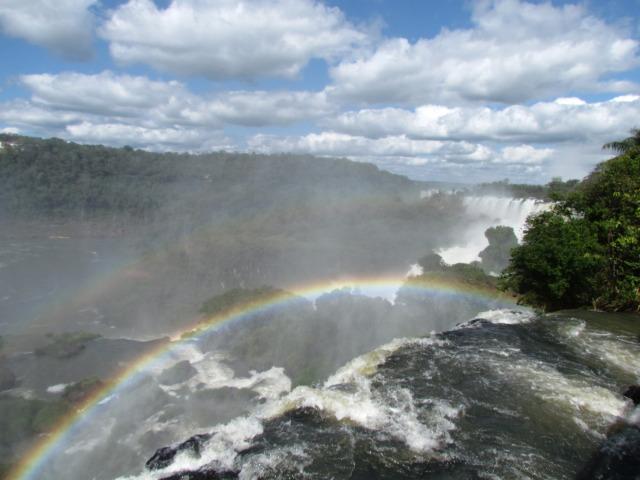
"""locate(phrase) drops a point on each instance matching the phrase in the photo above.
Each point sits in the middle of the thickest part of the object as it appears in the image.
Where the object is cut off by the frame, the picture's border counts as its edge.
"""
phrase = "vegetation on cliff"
(586, 251)
(239, 298)
(556, 189)
(470, 275)
(65, 345)
(54, 177)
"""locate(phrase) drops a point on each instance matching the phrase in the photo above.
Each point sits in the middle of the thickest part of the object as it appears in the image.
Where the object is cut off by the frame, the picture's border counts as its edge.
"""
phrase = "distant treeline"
(555, 190)
(60, 178)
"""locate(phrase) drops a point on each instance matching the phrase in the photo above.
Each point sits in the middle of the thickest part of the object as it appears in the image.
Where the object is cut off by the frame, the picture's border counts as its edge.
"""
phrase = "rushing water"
(510, 396)
(507, 395)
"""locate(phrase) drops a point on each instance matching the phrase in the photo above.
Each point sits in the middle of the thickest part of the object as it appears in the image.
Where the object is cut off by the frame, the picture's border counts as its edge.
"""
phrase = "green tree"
(558, 190)
(558, 263)
(626, 145)
(239, 297)
(609, 199)
(587, 250)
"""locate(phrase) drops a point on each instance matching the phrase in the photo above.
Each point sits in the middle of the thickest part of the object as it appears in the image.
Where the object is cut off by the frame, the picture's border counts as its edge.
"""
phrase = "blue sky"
(460, 90)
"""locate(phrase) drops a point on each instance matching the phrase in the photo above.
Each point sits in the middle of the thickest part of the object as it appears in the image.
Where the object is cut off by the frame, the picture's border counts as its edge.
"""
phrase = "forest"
(54, 177)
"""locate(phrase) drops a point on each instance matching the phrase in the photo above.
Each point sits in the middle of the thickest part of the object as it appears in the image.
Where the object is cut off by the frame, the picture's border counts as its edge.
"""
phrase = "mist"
(99, 278)
(487, 211)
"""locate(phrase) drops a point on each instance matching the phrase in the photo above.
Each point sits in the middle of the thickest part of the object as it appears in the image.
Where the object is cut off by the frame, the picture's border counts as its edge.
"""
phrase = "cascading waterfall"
(490, 211)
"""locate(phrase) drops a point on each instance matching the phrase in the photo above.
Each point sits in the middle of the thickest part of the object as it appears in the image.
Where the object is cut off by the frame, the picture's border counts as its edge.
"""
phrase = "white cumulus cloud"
(221, 39)
(429, 159)
(20, 113)
(135, 110)
(63, 26)
(338, 144)
(565, 119)
(515, 51)
(160, 139)
(419, 151)
(523, 155)
(104, 93)
(140, 99)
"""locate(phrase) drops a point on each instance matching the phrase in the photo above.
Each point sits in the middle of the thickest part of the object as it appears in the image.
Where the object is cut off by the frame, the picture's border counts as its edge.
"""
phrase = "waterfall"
(489, 211)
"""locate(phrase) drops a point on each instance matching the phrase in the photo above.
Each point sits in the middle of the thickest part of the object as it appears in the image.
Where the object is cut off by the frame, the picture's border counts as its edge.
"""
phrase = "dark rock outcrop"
(618, 458)
(165, 455)
(202, 475)
(633, 392)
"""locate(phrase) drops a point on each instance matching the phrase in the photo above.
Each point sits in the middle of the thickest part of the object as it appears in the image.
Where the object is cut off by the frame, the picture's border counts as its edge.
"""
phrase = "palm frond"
(626, 145)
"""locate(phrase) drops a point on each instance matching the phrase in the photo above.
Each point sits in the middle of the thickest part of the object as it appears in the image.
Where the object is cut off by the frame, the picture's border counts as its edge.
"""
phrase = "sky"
(461, 91)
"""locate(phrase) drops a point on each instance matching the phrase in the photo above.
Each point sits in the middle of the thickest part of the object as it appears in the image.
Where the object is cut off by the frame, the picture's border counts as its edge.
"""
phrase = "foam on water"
(220, 452)
(586, 402)
(367, 364)
(223, 447)
(633, 418)
(392, 412)
(59, 388)
(501, 316)
(354, 395)
(365, 397)
(578, 394)
(293, 457)
(348, 396)
(589, 402)
(618, 351)
(212, 373)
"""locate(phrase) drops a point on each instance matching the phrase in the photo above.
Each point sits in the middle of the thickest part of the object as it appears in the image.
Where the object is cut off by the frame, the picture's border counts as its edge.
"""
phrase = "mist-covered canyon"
(319, 240)
(248, 316)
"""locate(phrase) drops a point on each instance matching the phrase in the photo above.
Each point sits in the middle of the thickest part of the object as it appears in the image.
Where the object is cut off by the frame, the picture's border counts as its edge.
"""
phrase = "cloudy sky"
(457, 90)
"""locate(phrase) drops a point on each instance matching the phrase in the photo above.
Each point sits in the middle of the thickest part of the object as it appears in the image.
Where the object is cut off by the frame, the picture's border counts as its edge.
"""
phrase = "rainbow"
(135, 268)
(31, 464)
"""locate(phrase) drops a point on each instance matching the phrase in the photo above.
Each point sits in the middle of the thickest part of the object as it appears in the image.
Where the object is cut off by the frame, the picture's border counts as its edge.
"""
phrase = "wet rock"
(473, 323)
(164, 456)
(82, 390)
(65, 345)
(618, 458)
(633, 392)
(180, 372)
(202, 475)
